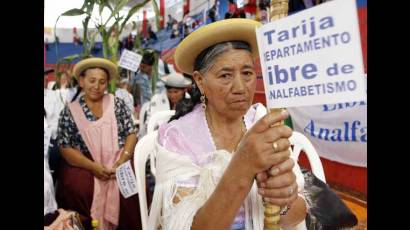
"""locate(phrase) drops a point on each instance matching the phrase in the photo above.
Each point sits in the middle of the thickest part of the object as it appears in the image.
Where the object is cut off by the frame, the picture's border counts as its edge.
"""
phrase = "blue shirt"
(145, 86)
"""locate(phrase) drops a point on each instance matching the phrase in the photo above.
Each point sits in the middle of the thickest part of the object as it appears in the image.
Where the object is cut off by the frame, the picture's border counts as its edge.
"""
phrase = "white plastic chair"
(143, 149)
(159, 118)
(301, 142)
(142, 122)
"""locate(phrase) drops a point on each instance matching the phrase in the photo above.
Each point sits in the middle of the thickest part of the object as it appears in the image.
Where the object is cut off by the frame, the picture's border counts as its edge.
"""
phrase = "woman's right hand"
(256, 152)
(101, 172)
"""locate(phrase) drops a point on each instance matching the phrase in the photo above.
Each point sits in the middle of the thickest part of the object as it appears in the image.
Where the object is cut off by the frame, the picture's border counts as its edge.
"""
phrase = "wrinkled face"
(94, 83)
(175, 95)
(229, 84)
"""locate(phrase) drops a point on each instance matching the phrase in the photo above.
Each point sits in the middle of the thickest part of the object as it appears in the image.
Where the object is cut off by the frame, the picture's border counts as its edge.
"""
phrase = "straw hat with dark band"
(93, 63)
(237, 29)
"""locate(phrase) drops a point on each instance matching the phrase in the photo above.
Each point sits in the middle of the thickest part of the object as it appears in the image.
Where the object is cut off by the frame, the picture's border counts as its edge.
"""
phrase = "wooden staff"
(278, 9)
(272, 212)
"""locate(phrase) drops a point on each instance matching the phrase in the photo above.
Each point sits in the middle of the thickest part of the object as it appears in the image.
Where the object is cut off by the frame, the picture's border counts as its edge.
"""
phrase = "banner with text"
(337, 131)
(130, 60)
(313, 57)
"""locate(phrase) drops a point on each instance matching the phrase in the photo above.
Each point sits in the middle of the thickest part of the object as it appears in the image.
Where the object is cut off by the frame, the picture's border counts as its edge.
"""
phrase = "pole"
(278, 9)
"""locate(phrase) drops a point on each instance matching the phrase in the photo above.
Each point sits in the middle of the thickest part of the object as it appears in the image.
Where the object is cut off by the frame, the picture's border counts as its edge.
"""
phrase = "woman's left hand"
(280, 187)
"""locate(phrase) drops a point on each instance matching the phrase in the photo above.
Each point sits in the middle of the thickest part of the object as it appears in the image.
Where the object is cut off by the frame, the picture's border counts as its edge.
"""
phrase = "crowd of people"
(82, 151)
(215, 126)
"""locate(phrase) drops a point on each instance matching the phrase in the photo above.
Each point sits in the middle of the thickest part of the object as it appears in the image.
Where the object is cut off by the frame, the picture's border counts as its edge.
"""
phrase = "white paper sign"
(126, 180)
(313, 57)
(130, 60)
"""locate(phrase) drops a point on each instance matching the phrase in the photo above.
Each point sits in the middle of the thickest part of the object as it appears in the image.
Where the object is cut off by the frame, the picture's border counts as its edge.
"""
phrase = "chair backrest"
(143, 149)
(142, 122)
(157, 119)
(300, 142)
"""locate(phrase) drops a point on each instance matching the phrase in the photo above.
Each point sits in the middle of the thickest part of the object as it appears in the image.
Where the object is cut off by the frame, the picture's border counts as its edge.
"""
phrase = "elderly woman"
(210, 154)
(96, 135)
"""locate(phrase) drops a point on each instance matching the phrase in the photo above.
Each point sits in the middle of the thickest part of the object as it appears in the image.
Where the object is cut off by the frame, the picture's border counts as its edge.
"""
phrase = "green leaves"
(132, 11)
(154, 74)
(73, 12)
(86, 43)
(89, 6)
(157, 15)
(119, 6)
(70, 58)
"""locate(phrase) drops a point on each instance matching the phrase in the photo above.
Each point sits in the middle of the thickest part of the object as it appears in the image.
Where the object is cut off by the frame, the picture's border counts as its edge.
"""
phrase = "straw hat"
(176, 80)
(96, 62)
(237, 29)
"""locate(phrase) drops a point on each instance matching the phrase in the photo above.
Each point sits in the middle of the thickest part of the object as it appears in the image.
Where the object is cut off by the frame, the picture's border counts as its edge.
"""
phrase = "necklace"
(234, 141)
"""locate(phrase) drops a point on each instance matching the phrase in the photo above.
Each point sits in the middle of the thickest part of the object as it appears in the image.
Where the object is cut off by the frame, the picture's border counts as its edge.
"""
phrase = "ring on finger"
(274, 146)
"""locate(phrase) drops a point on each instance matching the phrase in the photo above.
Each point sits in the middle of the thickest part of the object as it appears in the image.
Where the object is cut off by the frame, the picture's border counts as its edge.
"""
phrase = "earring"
(203, 99)
(187, 96)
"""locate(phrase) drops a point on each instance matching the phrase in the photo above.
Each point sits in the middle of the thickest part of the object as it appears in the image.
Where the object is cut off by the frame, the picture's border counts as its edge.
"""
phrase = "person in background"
(177, 86)
(232, 9)
(212, 13)
(170, 22)
(250, 9)
(141, 82)
(76, 39)
(151, 33)
(52, 108)
(96, 134)
(122, 91)
(263, 13)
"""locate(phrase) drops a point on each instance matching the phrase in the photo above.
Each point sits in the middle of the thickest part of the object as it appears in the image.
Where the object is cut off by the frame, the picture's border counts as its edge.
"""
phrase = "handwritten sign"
(130, 60)
(126, 180)
(313, 57)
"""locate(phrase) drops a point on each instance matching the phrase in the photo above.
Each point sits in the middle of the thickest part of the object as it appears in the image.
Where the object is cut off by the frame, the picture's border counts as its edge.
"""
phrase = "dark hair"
(77, 93)
(148, 58)
(202, 64)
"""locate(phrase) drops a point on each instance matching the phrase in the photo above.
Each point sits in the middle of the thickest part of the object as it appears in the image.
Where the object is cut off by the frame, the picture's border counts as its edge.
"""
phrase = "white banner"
(313, 57)
(337, 131)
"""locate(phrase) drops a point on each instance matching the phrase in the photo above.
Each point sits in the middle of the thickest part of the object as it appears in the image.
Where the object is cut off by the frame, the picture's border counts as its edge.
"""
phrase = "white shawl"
(171, 167)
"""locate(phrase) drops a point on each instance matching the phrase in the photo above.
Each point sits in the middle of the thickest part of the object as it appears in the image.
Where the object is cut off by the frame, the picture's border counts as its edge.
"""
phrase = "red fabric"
(144, 24)
(161, 13)
(362, 13)
(250, 7)
(186, 7)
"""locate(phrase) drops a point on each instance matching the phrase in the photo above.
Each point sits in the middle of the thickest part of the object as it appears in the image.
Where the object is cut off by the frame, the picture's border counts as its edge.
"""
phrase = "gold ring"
(275, 146)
